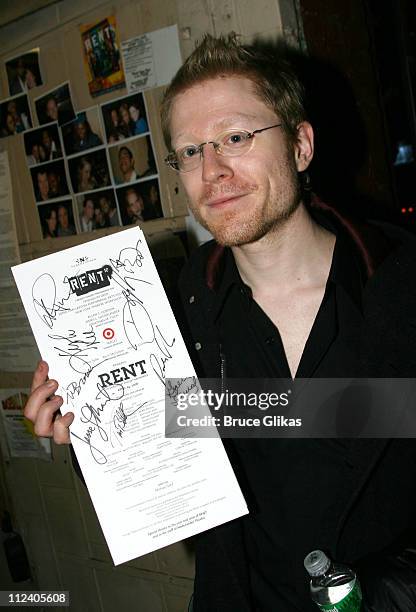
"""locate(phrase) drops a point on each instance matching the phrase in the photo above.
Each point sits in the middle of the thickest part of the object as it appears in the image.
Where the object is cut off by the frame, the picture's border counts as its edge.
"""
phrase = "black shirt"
(289, 481)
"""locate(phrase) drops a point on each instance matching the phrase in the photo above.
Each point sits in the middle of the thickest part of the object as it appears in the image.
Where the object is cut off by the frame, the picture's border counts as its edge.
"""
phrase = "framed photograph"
(102, 59)
(89, 171)
(139, 202)
(56, 105)
(15, 116)
(42, 144)
(97, 210)
(49, 181)
(23, 72)
(133, 160)
(125, 118)
(57, 219)
(84, 132)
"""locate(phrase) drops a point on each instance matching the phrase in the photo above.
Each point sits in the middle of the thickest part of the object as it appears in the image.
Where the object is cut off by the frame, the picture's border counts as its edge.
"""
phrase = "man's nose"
(215, 167)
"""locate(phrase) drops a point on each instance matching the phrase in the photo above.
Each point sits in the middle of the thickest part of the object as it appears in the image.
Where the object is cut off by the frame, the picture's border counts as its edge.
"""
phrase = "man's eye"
(235, 139)
(188, 152)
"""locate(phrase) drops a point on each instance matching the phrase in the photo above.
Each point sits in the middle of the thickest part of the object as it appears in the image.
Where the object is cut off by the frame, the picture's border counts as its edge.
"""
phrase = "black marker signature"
(119, 420)
(91, 415)
(173, 389)
(44, 298)
(129, 258)
(158, 362)
(137, 321)
(96, 454)
(76, 348)
(74, 388)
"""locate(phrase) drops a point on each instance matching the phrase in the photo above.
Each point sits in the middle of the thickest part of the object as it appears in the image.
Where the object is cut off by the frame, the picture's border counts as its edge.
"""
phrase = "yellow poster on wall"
(102, 58)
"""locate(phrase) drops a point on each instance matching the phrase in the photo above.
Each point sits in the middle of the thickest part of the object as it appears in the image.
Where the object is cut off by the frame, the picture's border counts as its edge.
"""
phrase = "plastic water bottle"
(334, 587)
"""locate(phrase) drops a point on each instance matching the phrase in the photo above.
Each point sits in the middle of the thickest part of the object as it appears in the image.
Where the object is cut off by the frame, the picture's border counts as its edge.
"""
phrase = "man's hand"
(43, 405)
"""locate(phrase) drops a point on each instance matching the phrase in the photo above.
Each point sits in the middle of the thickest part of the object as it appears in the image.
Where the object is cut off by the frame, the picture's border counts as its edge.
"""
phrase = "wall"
(51, 507)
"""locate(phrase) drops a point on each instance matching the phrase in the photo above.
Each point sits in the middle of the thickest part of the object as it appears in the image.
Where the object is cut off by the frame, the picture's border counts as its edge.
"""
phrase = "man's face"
(53, 181)
(238, 199)
(46, 139)
(104, 205)
(43, 185)
(63, 217)
(52, 109)
(134, 204)
(124, 114)
(125, 162)
(81, 130)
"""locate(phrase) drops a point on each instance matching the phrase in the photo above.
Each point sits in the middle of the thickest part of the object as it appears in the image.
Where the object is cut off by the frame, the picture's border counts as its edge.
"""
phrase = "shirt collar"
(345, 270)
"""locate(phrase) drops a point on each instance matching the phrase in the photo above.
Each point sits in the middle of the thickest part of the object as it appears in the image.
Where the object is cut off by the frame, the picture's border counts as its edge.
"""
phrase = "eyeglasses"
(230, 143)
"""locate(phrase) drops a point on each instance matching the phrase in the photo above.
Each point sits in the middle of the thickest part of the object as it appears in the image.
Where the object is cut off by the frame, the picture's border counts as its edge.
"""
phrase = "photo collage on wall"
(103, 157)
(90, 168)
(23, 73)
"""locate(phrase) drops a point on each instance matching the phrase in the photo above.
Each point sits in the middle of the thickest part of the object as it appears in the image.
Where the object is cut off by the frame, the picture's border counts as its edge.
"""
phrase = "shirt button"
(198, 346)
(270, 340)
(192, 299)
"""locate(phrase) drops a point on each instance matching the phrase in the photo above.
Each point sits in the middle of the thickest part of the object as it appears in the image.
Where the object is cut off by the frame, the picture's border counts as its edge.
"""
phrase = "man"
(126, 166)
(21, 119)
(65, 228)
(99, 219)
(54, 181)
(18, 83)
(87, 217)
(42, 186)
(52, 109)
(84, 137)
(35, 155)
(109, 211)
(49, 146)
(134, 206)
(287, 290)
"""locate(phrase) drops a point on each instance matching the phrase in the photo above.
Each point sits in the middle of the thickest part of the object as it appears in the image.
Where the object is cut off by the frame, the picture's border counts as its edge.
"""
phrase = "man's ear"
(304, 146)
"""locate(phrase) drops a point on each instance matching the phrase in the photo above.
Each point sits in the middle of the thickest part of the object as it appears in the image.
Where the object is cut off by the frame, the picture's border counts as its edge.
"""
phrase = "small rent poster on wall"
(102, 58)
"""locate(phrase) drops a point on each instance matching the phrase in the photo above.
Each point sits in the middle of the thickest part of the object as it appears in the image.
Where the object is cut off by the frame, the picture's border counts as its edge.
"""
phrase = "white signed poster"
(103, 323)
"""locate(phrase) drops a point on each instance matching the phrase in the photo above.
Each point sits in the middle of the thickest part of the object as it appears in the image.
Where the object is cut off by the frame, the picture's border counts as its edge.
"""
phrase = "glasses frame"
(172, 159)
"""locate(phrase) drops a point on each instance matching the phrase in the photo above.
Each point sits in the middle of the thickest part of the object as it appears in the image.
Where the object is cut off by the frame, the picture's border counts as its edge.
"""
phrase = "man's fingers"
(42, 407)
(45, 416)
(60, 428)
(40, 375)
(38, 398)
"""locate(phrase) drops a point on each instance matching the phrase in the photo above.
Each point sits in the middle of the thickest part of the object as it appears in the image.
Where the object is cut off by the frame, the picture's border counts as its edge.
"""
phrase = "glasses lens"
(235, 142)
(229, 143)
(188, 158)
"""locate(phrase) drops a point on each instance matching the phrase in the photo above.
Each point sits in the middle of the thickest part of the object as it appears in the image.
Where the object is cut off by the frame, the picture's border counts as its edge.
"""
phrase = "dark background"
(362, 70)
